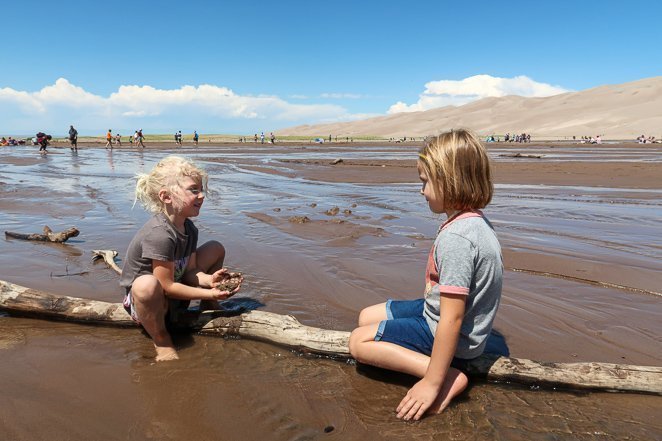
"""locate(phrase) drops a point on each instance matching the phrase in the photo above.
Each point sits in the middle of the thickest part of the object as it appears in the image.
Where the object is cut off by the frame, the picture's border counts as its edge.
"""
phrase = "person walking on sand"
(164, 268)
(109, 140)
(140, 138)
(73, 138)
(272, 138)
(433, 338)
(262, 138)
(118, 140)
(195, 138)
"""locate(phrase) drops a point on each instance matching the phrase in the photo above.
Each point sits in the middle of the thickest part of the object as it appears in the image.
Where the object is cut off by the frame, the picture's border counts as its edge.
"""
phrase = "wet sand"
(589, 217)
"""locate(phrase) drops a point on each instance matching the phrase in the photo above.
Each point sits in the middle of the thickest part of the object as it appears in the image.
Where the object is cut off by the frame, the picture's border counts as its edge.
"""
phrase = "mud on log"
(287, 331)
(47, 236)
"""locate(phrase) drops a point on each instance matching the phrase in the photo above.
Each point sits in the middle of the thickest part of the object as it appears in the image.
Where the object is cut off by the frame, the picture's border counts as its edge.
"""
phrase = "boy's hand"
(418, 400)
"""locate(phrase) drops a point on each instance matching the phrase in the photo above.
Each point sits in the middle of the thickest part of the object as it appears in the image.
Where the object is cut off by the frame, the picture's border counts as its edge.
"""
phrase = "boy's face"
(430, 192)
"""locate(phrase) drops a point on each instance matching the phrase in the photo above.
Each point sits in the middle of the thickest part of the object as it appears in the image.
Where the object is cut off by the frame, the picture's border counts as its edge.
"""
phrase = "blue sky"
(253, 66)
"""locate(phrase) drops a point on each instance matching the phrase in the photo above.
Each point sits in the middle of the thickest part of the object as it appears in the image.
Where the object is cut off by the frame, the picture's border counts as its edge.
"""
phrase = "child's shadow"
(185, 326)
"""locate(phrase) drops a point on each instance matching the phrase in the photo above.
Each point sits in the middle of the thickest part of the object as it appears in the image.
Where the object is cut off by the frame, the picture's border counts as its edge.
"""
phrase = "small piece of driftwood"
(520, 155)
(285, 330)
(108, 256)
(47, 236)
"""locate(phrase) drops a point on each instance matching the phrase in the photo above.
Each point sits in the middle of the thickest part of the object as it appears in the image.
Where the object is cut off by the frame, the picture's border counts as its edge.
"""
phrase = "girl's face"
(191, 196)
(428, 189)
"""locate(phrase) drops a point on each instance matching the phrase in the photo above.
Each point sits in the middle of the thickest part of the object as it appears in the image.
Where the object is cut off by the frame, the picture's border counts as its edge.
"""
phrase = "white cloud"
(205, 107)
(456, 93)
(340, 96)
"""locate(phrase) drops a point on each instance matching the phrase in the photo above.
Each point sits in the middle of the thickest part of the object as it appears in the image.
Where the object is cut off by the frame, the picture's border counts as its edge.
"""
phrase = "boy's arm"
(164, 271)
(423, 394)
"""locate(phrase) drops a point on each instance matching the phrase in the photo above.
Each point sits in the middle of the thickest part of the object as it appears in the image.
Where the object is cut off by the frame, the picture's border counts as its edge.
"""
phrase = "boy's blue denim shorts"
(406, 326)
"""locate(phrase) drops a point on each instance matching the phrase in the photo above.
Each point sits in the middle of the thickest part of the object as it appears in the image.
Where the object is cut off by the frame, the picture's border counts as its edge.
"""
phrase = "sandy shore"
(580, 231)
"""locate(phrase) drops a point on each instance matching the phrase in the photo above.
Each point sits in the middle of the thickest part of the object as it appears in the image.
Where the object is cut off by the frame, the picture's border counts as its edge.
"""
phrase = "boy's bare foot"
(455, 383)
(166, 353)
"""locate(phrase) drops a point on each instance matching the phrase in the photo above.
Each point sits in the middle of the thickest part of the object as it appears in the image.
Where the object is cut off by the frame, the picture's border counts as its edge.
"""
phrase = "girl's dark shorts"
(406, 326)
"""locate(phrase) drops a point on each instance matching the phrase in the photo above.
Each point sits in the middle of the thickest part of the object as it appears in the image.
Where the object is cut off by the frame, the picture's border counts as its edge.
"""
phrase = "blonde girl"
(164, 268)
(433, 338)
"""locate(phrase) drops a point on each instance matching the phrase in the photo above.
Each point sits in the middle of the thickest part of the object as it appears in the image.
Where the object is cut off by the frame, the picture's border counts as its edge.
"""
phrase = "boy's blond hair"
(456, 163)
(167, 174)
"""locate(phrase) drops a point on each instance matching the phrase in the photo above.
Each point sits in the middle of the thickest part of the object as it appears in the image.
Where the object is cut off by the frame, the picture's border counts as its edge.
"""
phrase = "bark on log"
(47, 236)
(287, 331)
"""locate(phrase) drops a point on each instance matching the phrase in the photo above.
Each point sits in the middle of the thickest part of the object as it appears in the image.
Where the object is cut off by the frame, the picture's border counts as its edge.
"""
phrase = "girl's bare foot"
(456, 381)
(165, 353)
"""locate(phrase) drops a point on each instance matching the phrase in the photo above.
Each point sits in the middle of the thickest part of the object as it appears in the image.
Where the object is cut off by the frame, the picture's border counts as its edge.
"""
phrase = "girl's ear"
(164, 196)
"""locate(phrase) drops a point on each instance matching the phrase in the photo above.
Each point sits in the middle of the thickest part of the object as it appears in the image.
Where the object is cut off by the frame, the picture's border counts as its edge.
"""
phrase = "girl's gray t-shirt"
(158, 239)
(466, 260)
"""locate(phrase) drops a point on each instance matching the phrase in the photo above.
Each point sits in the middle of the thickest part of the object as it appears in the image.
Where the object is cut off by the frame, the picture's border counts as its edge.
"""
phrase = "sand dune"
(622, 111)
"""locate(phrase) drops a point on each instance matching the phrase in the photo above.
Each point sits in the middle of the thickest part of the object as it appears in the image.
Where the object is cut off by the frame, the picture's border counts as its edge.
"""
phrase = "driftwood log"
(47, 236)
(287, 331)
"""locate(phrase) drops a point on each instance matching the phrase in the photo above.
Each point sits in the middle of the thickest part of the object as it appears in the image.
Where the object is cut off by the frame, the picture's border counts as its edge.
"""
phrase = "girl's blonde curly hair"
(167, 175)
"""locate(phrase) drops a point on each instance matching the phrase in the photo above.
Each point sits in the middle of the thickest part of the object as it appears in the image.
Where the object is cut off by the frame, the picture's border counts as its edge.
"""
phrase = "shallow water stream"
(67, 381)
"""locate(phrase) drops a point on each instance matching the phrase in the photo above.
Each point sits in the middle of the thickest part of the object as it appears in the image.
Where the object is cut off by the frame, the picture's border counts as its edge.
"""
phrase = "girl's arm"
(165, 273)
(194, 276)
(424, 393)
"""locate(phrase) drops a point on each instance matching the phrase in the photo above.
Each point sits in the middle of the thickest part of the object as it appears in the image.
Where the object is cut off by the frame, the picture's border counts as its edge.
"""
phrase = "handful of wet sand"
(230, 282)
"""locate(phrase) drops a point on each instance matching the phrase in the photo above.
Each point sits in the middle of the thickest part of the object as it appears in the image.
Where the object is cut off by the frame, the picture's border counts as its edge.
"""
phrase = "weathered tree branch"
(108, 256)
(47, 236)
(287, 331)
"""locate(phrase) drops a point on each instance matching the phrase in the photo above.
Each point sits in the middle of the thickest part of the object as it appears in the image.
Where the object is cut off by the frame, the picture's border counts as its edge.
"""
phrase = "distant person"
(434, 337)
(272, 138)
(195, 138)
(164, 268)
(73, 138)
(140, 138)
(329, 138)
(262, 138)
(118, 139)
(42, 141)
(255, 140)
(179, 138)
(109, 139)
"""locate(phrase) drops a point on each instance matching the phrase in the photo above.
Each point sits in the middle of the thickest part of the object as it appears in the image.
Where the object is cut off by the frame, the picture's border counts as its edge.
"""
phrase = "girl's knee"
(214, 248)
(357, 340)
(146, 288)
(353, 343)
(210, 256)
(372, 314)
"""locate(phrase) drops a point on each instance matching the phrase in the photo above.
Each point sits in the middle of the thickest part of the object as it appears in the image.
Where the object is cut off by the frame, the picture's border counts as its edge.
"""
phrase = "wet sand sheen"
(324, 271)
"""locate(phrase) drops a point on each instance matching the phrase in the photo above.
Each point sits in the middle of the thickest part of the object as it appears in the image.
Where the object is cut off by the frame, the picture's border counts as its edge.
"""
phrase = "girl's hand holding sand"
(223, 280)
